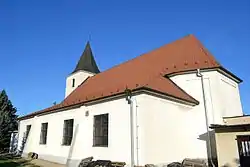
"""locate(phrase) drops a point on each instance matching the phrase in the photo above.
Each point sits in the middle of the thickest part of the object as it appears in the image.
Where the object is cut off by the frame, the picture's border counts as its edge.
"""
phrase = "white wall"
(230, 97)
(167, 131)
(170, 131)
(79, 77)
(22, 131)
(222, 99)
(82, 144)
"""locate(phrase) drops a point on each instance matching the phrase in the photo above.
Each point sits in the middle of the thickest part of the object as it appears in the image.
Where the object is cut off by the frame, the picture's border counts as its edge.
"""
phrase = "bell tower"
(86, 67)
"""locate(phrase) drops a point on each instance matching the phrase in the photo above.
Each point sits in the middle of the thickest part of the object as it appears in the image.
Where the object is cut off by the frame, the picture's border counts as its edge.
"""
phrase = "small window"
(28, 127)
(73, 82)
(68, 131)
(101, 130)
(43, 135)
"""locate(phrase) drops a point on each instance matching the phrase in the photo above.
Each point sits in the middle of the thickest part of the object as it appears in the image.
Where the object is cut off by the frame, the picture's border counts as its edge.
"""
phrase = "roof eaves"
(220, 69)
(191, 97)
(231, 75)
(151, 85)
(169, 75)
(192, 102)
(238, 116)
(104, 98)
(50, 110)
(218, 126)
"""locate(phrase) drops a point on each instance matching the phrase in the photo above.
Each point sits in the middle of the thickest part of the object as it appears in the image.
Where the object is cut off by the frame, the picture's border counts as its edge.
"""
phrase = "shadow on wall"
(23, 142)
(237, 162)
(72, 146)
(204, 137)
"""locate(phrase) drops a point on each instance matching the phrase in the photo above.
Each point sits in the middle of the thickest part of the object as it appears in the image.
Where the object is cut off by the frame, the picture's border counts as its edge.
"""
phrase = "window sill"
(100, 146)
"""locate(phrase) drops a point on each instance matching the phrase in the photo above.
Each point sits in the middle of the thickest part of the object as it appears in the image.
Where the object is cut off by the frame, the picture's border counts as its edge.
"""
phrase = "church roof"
(148, 72)
(87, 61)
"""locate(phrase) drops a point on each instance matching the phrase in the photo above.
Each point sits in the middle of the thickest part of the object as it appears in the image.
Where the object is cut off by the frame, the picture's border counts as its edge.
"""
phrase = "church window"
(101, 130)
(28, 127)
(43, 135)
(68, 131)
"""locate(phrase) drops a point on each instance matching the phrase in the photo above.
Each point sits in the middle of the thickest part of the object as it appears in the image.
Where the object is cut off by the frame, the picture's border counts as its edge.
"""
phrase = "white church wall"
(79, 77)
(119, 131)
(22, 132)
(53, 150)
(170, 131)
(230, 97)
(160, 124)
(217, 94)
(167, 131)
(82, 144)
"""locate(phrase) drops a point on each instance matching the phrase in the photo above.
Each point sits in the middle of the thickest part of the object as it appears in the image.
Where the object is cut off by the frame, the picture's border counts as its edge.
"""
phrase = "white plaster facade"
(221, 92)
(78, 77)
(167, 131)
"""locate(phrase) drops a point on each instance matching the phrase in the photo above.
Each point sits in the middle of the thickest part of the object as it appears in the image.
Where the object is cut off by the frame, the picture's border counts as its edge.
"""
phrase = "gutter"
(220, 69)
(107, 98)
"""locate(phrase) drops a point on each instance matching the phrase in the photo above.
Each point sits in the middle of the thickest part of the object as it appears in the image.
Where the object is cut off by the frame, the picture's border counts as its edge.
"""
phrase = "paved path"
(43, 163)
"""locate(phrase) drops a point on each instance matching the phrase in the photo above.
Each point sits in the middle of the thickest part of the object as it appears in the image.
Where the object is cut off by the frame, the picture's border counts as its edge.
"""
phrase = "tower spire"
(87, 61)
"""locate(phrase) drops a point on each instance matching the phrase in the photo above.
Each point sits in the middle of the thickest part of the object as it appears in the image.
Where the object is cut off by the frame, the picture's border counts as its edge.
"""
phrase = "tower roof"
(87, 61)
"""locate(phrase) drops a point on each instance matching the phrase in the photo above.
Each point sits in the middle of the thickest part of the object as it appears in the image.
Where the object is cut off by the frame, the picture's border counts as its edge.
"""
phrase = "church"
(154, 109)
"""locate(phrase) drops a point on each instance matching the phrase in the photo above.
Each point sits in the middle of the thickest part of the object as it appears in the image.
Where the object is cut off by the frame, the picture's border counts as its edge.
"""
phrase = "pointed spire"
(87, 61)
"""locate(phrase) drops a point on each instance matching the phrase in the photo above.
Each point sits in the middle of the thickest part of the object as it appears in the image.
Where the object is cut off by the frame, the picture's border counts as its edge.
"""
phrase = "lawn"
(10, 161)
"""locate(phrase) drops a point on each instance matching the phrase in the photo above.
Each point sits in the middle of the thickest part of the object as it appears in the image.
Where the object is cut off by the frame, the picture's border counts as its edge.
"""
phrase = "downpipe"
(130, 102)
(198, 74)
(136, 132)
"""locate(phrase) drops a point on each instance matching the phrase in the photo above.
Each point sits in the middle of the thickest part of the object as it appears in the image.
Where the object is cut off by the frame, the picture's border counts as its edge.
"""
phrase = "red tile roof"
(148, 71)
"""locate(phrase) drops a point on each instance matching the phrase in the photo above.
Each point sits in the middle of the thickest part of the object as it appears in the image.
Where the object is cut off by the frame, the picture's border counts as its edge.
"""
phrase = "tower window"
(73, 82)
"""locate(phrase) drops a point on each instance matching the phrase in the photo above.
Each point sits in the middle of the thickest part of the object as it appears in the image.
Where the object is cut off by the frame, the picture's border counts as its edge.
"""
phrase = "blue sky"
(41, 41)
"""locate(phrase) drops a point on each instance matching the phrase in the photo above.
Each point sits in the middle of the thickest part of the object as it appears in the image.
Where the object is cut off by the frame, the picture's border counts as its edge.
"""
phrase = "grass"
(10, 161)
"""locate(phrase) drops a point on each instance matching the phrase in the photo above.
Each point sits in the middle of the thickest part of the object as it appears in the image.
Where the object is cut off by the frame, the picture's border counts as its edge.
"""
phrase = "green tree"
(8, 120)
